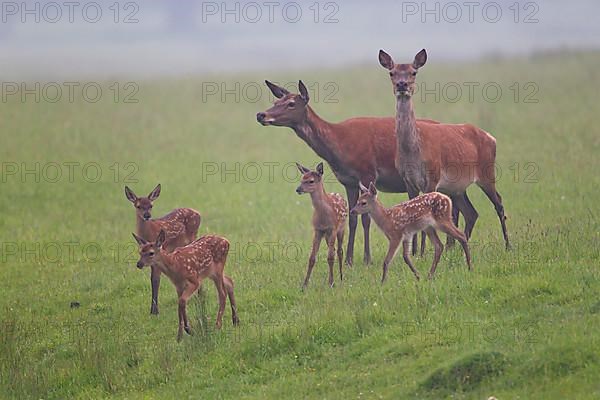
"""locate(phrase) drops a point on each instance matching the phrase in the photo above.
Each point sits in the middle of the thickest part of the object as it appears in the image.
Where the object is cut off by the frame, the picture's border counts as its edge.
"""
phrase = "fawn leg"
(186, 293)
(313, 256)
(218, 280)
(438, 250)
(392, 248)
(340, 250)
(331, 256)
(228, 282)
(406, 255)
(448, 228)
(155, 284)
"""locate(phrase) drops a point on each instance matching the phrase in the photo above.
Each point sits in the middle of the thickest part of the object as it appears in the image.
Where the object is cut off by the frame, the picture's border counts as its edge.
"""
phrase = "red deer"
(329, 217)
(180, 225)
(358, 150)
(399, 223)
(441, 157)
(187, 267)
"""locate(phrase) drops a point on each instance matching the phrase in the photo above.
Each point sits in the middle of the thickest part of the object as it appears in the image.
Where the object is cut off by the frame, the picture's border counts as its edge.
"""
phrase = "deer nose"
(299, 190)
(260, 117)
(140, 264)
(146, 216)
(402, 85)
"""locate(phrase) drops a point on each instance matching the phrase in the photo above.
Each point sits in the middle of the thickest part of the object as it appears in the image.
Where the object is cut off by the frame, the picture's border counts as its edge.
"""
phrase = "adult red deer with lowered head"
(358, 150)
(441, 157)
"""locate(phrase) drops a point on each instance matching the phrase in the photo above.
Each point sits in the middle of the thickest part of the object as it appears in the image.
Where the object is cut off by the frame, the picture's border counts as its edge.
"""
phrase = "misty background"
(151, 38)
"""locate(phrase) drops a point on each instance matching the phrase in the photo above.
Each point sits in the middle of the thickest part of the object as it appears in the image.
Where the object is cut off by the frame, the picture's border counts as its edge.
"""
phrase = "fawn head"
(288, 110)
(143, 205)
(365, 201)
(311, 181)
(403, 76)
(148, 250)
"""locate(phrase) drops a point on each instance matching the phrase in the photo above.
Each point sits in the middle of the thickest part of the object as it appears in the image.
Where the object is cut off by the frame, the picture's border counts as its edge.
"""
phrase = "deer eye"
(364, 203)
(311, 181)
(151, 254)
(414, 73)
(291, 104)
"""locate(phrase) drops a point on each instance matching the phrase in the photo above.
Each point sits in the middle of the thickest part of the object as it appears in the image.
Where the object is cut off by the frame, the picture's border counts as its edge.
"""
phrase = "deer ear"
(362, 187)
(154, 193)
(386, 60)
(320, 168)
(420, 59)
(130, 195)
(139, 240)
(303, 92)
(372, 189)
(277, 91)
(302, 168)
(160, 239)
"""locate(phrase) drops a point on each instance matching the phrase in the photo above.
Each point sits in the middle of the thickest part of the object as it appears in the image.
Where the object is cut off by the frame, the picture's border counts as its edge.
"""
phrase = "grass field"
(523, 325)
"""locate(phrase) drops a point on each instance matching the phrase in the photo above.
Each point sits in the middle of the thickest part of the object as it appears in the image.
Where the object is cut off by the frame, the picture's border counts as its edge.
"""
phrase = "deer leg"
(184, 296)
(352, 193)
(412, 193)
(438, 250)
(313, 256)
(406, 255)
(496, 199)
(470, 214)
(340, 250)
(155, 284)
(219, 284)
(392, 248)
(449, 229)
(456, 206)
(331, 256)
(366, 223)
(228, 282)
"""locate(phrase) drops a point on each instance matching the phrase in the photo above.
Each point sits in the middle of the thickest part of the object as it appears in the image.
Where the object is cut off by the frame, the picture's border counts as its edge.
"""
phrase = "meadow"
(74, 309)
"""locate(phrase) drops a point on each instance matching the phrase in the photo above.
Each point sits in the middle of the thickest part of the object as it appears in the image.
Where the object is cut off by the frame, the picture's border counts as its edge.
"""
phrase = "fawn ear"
(130, 195)
(154, 193)
(386, 60)
(302, 168)
(160, 239)
(372, 189)
(420, 59)
(303, 92)
(277, 91)
(362, 187)
(139, 240)
(320, 168)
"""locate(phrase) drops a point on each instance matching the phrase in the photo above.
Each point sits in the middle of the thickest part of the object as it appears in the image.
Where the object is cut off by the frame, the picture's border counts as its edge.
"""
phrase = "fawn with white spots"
(329, 217)
(180, 226)
(187, 267)
(428, 212)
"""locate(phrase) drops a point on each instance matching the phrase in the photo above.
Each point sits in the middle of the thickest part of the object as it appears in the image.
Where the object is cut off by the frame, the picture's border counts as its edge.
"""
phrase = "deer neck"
(165, 263)
(319, 201)
(381, 216)
(143, 228)
(406, 129)
(319, 135)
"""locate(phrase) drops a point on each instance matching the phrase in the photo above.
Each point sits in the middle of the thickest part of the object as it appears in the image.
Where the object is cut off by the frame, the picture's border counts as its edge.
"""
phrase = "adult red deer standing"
(180, 225)
(358, 150)
(441, 157)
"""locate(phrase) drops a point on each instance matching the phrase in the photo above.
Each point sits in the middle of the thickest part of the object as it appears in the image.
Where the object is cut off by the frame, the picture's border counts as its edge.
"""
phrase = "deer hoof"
(154, 309)
(188, 330)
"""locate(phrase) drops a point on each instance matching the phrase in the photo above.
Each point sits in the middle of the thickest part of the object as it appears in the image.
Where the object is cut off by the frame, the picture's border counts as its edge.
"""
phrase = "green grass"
(523, 324)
